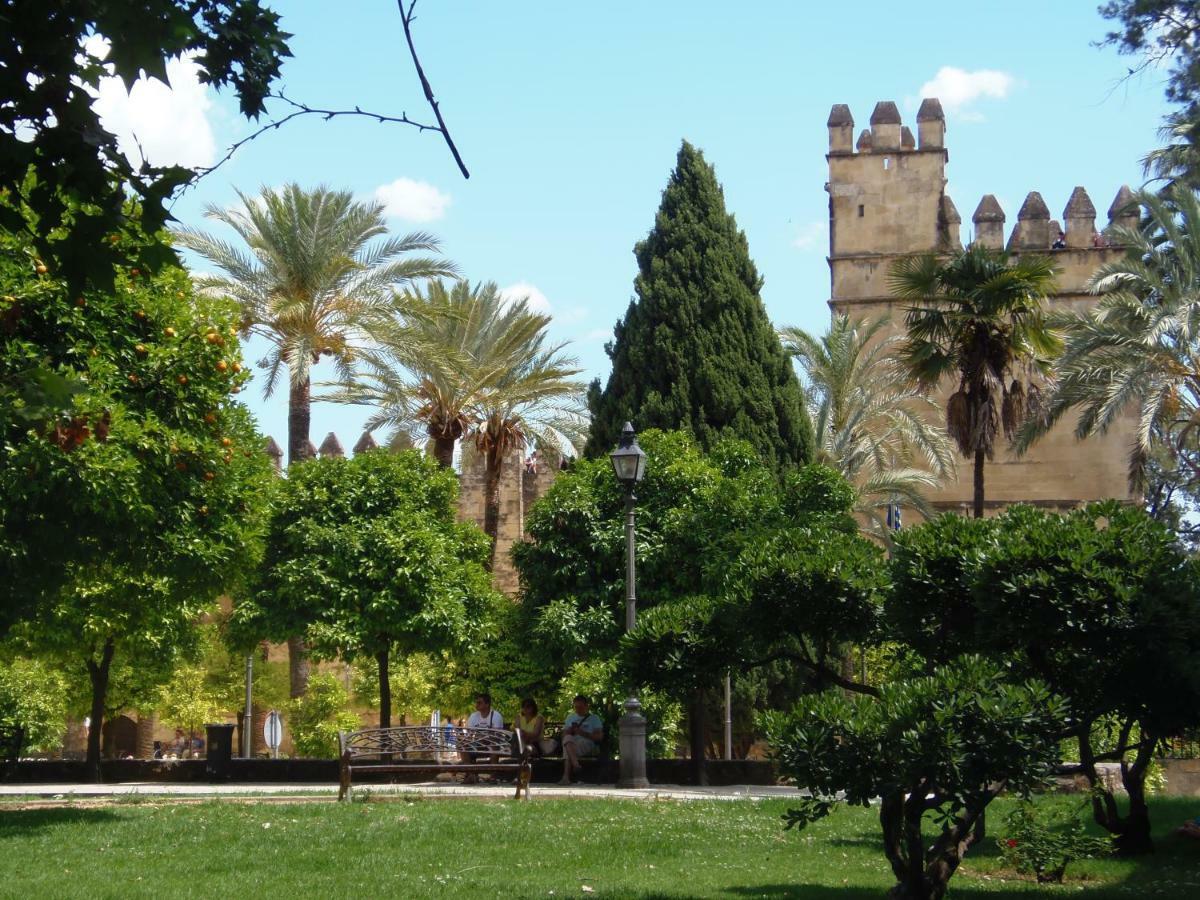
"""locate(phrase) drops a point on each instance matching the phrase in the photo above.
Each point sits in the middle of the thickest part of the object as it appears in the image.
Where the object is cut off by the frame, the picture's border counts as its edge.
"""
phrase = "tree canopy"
(365, 558)
(696, 350)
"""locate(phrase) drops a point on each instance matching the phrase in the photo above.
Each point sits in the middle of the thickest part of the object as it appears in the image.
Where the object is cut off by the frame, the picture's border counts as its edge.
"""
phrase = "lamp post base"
(632, 725)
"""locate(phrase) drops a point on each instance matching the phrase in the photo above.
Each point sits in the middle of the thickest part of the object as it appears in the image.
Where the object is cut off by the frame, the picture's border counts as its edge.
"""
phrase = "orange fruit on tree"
(182, 379)
(209, 476)
(169, 332)
(140, 349)
(222, 366)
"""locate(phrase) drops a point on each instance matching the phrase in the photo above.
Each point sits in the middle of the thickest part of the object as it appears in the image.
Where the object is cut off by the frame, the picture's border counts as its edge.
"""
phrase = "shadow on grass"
(14, 823)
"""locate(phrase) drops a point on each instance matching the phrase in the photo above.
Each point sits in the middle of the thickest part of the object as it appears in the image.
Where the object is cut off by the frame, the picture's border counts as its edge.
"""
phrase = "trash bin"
(220, 751)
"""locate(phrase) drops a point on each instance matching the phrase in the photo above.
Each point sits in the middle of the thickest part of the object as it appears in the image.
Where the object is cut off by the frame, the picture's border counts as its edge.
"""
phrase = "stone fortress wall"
(888, 200)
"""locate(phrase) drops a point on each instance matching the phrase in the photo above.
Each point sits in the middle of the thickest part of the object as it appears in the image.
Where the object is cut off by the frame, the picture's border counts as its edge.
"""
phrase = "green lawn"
(479, 848)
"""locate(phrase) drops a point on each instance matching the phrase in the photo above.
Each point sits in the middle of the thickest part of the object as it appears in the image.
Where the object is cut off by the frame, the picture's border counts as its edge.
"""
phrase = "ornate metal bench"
(423, 749)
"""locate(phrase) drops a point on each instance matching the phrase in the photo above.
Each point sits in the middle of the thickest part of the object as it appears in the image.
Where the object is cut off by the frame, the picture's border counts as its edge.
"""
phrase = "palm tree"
(978, 316)
(1140, 344)
(872, 422)
(313, 281)
(486, 374)
(1178, 160)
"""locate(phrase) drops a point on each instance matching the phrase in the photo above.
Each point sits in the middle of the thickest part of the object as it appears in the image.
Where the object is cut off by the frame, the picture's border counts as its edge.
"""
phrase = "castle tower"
(885, 197)
(887, 200)
(331, 447)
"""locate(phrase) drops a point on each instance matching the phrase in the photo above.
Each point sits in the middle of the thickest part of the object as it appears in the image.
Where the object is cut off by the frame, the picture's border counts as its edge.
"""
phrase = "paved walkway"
(426, 789)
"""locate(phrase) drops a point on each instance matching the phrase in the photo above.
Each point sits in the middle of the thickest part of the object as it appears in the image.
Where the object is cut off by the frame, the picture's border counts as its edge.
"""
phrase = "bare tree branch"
(407, 19)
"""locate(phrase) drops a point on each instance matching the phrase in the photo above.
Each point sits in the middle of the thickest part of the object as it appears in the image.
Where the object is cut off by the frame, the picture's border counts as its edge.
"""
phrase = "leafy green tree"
(872, 422)
(144, 470)
(33, 698)
(188, 701)
(695, 350)
(1138, 346)
(58, 159)
(977, 317)
(365, 558)
(1074, 601)
(1160, 31)
(313, 281)
(697, 515)
(943, 745)
(318, 716)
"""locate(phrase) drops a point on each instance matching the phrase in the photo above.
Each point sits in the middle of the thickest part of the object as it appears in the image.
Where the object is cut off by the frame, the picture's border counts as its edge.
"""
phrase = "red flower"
(1010, 843)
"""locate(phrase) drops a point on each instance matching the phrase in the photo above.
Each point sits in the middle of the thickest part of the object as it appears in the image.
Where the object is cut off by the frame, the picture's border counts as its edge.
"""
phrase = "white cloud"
(959, 89)
(414, 201)
(811, 236)
(168, 122)
(537, 301)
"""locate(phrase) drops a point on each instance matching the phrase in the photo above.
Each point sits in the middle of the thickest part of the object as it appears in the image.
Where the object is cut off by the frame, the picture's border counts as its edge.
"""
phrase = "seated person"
(483, 717)
(582, 733)
(530, 724)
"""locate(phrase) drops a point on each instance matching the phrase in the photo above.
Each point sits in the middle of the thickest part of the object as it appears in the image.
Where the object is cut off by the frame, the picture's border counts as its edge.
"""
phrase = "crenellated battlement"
(887, 192)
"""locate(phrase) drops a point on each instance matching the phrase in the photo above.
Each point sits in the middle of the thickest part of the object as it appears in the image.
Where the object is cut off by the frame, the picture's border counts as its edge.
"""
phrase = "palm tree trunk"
(299, 421)
(980, 457)
(443, 451)
(491, 504)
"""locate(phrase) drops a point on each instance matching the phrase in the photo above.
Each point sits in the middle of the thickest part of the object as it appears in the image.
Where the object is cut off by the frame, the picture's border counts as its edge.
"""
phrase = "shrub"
(1042, 839)
(319, 715)
(33, 697)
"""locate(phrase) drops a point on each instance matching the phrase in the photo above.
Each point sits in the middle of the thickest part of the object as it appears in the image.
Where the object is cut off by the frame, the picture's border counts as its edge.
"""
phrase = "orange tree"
(138, 503)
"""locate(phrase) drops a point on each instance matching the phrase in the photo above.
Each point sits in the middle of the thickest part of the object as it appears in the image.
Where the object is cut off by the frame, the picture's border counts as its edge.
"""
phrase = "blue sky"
(569, 117)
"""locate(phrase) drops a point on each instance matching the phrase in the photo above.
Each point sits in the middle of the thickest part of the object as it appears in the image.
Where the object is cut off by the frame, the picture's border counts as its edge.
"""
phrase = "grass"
(477, 848)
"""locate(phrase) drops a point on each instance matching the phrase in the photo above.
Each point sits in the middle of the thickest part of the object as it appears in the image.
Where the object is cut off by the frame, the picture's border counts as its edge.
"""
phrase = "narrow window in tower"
(887, 162)
(860, 210)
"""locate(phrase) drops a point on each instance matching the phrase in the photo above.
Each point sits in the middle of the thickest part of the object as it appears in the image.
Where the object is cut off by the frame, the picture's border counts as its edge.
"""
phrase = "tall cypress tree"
(696, 350)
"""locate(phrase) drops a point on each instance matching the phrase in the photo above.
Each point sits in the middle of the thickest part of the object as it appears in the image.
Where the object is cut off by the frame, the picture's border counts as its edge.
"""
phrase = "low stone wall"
(1183, 777)
(325, 771)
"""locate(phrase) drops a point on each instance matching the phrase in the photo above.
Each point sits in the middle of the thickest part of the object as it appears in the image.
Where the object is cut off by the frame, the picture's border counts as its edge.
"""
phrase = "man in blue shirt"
(582, 733)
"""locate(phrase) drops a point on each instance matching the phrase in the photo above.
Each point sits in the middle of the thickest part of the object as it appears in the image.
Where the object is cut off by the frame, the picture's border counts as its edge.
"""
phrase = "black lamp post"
(629, 465)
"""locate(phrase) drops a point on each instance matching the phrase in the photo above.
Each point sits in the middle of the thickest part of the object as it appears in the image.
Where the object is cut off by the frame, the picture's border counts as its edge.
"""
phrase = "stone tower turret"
(275, 453)
(331, 447)
(885, 198)
(1123, 212)
(365, 443)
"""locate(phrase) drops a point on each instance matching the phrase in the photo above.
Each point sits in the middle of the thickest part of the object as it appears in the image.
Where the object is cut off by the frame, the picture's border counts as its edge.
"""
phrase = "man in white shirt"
(483, 717)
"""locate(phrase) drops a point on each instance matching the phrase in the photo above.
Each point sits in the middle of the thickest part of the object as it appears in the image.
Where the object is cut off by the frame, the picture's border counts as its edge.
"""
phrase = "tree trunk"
(697, 735)
(491, 504)
(385, 691)
(299, 421)
(1131, 834)
(980, 458)
(298, 667)
(98, 672)
(443, 451)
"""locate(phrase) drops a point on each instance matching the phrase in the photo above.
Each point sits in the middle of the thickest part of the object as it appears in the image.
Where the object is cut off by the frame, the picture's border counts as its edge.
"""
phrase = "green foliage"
(696, 350)
(873, 424)
(33, 697)
(188, 701)
(365, 556)
(943, 745)
(605, 684)
(1043, 838)
(318, 716)
(59, 159)
(153, 468)
(1160, 31)
(1074, 600)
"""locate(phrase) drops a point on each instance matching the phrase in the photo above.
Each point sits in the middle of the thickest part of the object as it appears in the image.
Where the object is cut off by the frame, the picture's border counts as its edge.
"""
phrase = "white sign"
(273, 730)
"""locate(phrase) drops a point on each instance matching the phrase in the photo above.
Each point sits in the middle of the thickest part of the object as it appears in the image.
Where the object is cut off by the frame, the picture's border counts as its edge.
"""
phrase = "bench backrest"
(425, 742)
